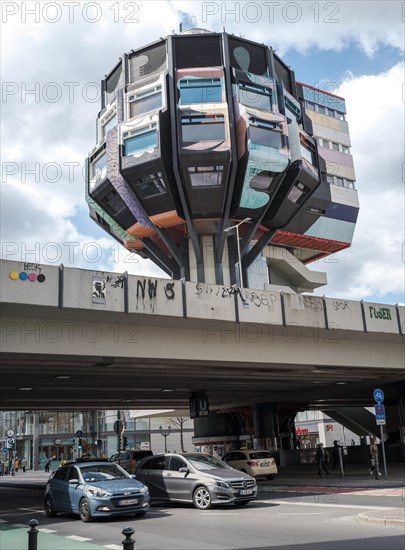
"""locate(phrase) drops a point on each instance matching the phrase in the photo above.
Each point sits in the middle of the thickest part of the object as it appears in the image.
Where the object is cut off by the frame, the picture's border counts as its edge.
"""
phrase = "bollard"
(32, 535)
(128, 543)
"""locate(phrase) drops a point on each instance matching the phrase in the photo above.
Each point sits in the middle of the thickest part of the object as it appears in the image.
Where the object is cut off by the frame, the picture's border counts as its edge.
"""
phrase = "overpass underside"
(148, 343)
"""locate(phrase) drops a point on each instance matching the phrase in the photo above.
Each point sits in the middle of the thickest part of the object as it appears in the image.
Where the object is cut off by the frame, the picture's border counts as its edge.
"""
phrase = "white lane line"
(113, 546)
(3, 521)
(343, 506)
(76, 537)
(302, 513)
(45, 530)
(20, 525)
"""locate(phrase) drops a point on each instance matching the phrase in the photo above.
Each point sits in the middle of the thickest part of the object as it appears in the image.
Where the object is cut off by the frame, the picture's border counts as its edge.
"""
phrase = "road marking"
(323, 505)
(3, 521)
(20, 525)
(113, 546)
(76, 537)
(45, 530)
(302, 513)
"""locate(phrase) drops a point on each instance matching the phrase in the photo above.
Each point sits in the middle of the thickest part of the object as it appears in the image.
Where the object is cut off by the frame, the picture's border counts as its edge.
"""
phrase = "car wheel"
(84, 510)
(49, 508)
(270, 477)
(202, 498)
(242, 503)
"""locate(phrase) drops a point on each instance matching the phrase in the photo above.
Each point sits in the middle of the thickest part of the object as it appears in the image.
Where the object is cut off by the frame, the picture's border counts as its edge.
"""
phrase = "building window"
(151, 185)
(345, 150)
(205, 176)
(203, 128)
(111, 123)
(310, 106)
(339, 115)
(335, 146)
(265, 134)
(139, 140)
(145, 101)
(200, 90)
(298, 193)
(341, 182)
(307, 154)
(252, 95)
(98, 169)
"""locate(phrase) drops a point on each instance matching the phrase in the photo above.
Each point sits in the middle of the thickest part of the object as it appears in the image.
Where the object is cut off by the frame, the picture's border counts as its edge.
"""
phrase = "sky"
(54, 54)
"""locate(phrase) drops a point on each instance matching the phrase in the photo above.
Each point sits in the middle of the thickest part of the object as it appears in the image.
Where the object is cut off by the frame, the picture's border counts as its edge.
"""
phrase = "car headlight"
(99, 493)
(144, 489)
(222, 484)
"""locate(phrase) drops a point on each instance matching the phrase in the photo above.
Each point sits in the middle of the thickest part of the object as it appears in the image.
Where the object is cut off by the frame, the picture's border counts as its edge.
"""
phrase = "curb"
(365, 517)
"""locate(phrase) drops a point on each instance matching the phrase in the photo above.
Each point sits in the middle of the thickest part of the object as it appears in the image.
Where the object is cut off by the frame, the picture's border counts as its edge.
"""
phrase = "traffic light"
(79, 443)
(124, 442)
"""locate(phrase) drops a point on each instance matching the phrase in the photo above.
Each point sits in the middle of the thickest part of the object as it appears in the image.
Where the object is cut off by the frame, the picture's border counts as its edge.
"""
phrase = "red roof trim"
(321, 91)
(323, 246)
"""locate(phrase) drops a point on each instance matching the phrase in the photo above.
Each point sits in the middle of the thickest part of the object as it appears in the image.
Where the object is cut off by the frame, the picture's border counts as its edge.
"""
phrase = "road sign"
(378, 395)
(10, 443)
(79, 433)
(58, 441)
(5, 449)
(379, 414)
(10, 432)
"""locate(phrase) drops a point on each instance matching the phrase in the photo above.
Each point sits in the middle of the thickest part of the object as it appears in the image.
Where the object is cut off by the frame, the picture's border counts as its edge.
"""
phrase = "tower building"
(212, 161)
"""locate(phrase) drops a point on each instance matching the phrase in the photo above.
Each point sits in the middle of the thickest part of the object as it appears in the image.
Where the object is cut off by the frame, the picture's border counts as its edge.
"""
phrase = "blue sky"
(361, 51)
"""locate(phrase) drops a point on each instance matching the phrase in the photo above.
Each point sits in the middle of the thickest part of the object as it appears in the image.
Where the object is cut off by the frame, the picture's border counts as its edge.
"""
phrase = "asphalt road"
(287, 518)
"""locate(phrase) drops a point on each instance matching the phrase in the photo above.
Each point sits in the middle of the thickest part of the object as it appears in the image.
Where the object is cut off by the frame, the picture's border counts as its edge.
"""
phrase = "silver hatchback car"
(194, 477)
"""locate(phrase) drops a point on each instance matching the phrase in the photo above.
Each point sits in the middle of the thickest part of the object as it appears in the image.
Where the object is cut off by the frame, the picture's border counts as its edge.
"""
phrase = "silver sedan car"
(195, 477)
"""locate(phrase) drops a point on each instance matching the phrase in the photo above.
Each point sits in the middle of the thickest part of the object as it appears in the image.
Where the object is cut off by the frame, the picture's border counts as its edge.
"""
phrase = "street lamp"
(165, 434)
(238, 246)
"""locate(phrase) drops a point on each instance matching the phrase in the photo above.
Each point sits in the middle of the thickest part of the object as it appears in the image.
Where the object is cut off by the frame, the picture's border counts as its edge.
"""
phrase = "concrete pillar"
(208, 254)
(401, 407)
(265, 426)
(35, 442)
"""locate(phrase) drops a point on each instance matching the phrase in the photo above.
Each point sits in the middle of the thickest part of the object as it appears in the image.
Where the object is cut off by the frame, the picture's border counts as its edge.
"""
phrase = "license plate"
(265, 464)
(246, 491)
(128, 502)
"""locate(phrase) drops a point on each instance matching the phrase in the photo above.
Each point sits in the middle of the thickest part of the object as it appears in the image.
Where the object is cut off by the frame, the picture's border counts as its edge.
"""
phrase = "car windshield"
(207, 462)
(260, 454)
(102, 472)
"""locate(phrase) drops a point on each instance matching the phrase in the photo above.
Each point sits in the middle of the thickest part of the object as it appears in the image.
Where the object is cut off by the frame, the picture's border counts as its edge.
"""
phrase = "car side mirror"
(74, 482)
(184, 470)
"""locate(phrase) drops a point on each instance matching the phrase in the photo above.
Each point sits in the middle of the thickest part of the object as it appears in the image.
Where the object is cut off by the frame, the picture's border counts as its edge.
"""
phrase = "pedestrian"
(321, 459)
(48, 464)
(23, 464)
(16, 463)
(373, 453)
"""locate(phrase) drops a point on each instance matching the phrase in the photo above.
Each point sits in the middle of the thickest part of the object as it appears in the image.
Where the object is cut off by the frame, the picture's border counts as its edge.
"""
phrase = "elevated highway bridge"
(79, 339)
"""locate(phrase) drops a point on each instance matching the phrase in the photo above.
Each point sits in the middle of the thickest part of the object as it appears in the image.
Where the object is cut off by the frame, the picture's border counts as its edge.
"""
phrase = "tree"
(178, 423)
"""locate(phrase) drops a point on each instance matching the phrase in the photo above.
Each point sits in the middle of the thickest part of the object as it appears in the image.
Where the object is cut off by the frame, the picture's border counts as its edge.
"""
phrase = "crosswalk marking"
(113, 546)
(76, 537)
(45, 530)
